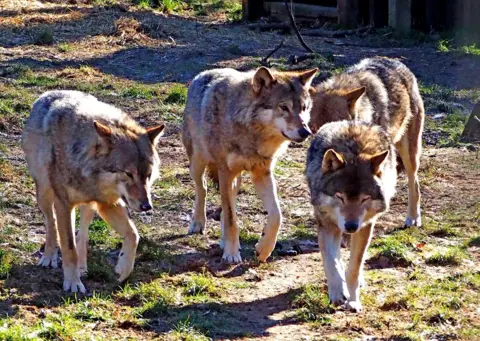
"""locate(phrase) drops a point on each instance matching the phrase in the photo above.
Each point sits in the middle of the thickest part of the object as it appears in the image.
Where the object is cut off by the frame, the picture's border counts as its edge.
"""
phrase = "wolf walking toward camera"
(242, 121)
(351, 173)
(81, 151)
(383, 91)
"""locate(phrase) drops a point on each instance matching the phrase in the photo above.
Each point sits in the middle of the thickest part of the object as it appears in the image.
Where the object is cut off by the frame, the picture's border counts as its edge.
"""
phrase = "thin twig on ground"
(294, 59)
(264, 60)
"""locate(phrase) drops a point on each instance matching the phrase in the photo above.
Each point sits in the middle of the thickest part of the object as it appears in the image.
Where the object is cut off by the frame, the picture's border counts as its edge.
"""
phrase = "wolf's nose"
(144, 207)
(304, 133)
(351, 226)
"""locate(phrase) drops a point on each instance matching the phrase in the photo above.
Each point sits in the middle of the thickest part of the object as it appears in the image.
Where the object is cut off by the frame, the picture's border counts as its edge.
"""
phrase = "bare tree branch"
(295, 28)
(264, 60)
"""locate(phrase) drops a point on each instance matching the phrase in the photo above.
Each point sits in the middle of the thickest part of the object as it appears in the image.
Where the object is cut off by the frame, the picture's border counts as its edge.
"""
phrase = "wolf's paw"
(264, 248)
(338, 296)
(231, 253)
(196, 227)
(49, 260)
(73, 284)
(354, 306)
(124, 266)
(413, 221)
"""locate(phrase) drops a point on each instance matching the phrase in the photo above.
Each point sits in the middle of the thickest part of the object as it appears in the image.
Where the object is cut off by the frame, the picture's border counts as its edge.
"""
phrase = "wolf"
(242, 121)
(86, 153)
(351, 173)
(383, 91)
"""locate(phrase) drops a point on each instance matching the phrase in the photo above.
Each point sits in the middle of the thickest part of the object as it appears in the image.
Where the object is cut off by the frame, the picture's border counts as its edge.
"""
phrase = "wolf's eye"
(364, 200)
(130, 175)
(340, 197)
(284, 108)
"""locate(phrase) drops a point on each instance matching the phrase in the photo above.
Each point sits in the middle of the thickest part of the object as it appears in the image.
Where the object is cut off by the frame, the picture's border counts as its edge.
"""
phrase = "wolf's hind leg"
(265, 186)
(354, 276)
(329, 239)
(117, 217)
(86, 215)
(45, 199)
(65, 216)
(230, 231)
(197, 172)
(409, 148)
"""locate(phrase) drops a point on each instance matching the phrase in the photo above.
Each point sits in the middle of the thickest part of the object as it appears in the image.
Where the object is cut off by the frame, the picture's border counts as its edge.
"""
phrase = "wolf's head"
(333, 105)
(129, 162)
(352, 177)
(282, 102)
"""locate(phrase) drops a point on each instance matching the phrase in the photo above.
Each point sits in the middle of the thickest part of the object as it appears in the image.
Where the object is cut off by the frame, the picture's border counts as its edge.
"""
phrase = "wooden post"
(400, 15)
(253, 9)
(378, 13)
(348, 12)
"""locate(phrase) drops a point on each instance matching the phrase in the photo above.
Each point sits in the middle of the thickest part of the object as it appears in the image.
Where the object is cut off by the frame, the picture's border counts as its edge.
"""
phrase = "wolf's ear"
(102, 130)
(353, 96)
(376, 162)
(154, 133)
(306, 77)
(332, 161)
(262, 78)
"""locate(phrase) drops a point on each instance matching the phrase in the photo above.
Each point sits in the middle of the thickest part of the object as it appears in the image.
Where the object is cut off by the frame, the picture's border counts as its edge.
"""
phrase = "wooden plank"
(277, 9)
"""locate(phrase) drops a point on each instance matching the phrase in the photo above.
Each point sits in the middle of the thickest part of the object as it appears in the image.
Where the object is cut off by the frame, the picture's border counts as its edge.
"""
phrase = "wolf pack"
(88, 155)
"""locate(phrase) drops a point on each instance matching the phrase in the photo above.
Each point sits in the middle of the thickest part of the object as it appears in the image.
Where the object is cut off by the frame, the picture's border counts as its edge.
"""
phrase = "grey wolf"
(242, 121)
(82, 152)
(383, 91)
(351, 174)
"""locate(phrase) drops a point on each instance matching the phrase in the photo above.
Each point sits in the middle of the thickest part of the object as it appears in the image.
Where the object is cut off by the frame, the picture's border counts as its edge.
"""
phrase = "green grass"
(199, 285)
(474, 241)
(313, 304)
(394, 249)
(185, 331)
(450, 256)
(98, 267)
(6, 262)
(138, 91)
(303, 233)
(470, 49)
(154, 297)
(64, 47)
(177, 94)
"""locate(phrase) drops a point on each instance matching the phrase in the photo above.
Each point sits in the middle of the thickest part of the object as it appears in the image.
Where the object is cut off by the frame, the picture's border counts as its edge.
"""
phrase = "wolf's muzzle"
(351, 226)
(145, 206)
(304, 132)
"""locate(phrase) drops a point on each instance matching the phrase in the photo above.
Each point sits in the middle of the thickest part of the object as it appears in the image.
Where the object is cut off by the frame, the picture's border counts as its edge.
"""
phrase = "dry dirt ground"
(422, 283)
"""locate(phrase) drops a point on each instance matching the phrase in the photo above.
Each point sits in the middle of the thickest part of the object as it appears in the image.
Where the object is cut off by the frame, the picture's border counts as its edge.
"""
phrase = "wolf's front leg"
(197, 172)
(117, 217)
(265, 186)
(65, 218)
(329, 240)
(230, 232)
(86, 216)
(358, 249)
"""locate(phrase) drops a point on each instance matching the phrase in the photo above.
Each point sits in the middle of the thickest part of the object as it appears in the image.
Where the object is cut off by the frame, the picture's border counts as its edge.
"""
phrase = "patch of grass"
(470, 49)
(6, 262)
(15, 105)
(248, 237)
(313, 304)
(177, 94)
(199, 285)
(393, 249)
(64, 47)
(444, 45)
(444, 231)
(185, 331)
(98, 267)
(11, 331)
(450, 256)
(303, 233)
(156, 298)
(151, 251)
(138, 91)
(396, 302)
(98, 232)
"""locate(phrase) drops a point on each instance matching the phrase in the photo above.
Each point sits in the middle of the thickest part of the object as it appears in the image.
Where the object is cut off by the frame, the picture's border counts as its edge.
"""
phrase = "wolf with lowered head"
(385, 92)
(351, 174)
(83, 152)
(242, 121)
